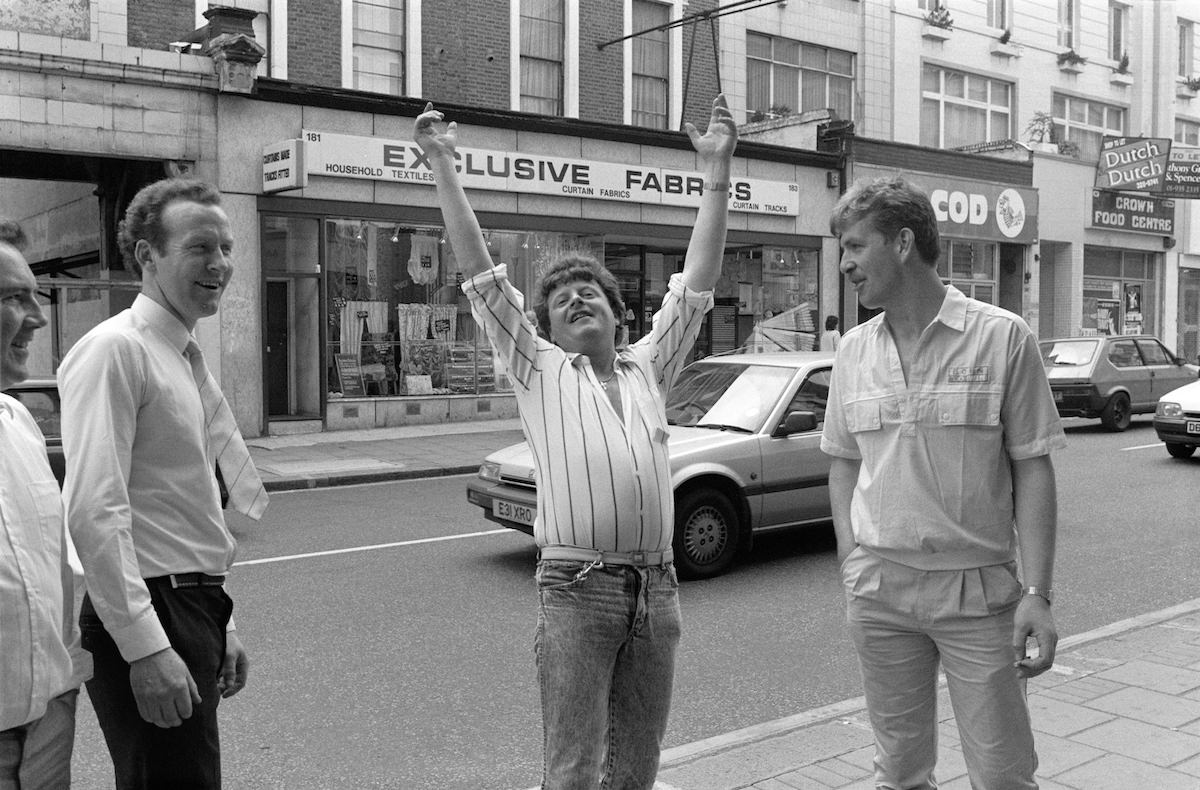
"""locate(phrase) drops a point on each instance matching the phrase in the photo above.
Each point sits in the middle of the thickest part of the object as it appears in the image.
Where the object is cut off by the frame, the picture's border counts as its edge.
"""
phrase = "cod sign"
(1133, 163)
(963, 208)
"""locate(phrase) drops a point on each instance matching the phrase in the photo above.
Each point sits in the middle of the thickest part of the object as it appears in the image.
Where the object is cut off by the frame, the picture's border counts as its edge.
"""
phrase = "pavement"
(1120, 710)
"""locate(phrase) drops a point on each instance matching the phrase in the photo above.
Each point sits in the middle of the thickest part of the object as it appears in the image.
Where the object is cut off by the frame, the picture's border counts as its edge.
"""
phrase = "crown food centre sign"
(289, 163)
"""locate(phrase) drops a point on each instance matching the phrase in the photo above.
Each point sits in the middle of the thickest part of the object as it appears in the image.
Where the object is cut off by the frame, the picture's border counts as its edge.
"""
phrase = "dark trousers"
(145, 756)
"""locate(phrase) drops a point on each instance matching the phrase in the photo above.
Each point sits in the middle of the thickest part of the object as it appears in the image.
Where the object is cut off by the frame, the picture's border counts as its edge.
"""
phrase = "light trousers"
(905, 622)
(37, 755)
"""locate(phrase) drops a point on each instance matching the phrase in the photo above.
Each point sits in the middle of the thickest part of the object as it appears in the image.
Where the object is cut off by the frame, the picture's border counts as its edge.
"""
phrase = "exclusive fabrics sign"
(402, 161)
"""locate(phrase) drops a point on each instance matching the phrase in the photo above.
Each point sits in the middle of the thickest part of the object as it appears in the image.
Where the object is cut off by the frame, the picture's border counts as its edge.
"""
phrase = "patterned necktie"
(225, 443)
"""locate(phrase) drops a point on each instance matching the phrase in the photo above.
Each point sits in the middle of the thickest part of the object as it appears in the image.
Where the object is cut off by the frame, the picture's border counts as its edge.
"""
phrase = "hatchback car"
(745, 457)
(1112, 378)
(1177, 420)
(40, 397)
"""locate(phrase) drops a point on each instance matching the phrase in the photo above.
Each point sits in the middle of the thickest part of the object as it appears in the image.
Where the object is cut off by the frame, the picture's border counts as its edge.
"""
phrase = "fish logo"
(1010, 213)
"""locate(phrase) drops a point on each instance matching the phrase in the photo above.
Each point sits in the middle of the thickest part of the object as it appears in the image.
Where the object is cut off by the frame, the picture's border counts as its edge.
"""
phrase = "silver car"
(745, 457)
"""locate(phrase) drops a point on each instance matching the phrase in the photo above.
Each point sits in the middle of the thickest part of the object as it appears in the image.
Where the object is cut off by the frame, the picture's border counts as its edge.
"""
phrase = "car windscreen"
(1068, 353)
(44, 407)
(739, 397)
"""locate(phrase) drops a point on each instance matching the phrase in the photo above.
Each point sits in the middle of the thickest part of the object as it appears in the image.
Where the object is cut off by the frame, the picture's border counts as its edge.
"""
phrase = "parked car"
(40, 396)
(1112, 378)
(745, 457)
(1177, 420)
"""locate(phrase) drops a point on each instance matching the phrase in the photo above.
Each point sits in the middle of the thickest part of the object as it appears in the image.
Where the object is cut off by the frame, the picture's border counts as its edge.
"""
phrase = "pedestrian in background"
(940, 423)
(150, 444)
(41, 667)
(593, 412)
(831, 337)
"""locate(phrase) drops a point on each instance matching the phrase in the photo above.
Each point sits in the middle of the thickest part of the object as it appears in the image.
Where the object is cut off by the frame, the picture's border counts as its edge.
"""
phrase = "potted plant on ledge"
(1004, 48)
(1071, 61)
(1120, 73)
(1041, 133)
(938, 23)
(1187, 87)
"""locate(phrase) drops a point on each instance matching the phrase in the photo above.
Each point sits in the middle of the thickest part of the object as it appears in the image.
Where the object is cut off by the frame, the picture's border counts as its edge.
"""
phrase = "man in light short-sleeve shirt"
(940, 423)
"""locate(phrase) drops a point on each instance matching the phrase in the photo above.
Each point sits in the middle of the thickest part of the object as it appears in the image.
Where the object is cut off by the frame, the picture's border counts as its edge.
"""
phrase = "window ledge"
(1006, 50)
(1182, 91)
(1071, 68)
(1120, 79)
(934, 33)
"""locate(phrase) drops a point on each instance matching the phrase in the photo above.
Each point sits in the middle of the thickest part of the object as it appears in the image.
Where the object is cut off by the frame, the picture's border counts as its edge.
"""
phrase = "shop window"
(1085, 123)
(775, 293)
(1120, 292)
(1187, 131)
(958, 108)
(970, 267)
(378, 46)
(398, 322)
(542, 28)
(785, 76)
(651, 64)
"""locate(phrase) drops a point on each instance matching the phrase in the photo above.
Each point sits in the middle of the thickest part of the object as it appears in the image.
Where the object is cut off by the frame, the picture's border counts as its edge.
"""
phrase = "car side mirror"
(796, 422)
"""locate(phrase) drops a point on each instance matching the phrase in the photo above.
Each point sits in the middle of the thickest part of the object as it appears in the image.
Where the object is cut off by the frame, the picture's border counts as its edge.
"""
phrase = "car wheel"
(1116, 415)
(1180, 450)
(706, 534)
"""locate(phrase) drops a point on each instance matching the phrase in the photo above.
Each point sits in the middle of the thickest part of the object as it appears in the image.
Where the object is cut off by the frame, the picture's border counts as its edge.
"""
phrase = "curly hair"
(144, 217)
(891, 204)
(576, 268)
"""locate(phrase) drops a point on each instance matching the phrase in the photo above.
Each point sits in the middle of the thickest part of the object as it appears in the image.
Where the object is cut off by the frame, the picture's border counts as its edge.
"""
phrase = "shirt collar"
(162, 321)
(953, 312)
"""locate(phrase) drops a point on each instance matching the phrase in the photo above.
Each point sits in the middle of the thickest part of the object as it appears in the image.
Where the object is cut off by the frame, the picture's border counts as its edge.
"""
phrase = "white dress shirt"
(603, 482)
(36, 626)
(142, 497)
(934, 491)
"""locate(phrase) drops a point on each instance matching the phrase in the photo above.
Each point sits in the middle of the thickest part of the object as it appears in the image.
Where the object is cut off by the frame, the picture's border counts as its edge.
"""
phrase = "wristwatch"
(1041, 592)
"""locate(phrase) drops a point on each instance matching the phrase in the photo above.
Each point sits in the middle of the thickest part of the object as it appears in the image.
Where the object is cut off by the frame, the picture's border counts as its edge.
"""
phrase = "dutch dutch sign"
(402, 161)
(1136, 164)
(1139, 213)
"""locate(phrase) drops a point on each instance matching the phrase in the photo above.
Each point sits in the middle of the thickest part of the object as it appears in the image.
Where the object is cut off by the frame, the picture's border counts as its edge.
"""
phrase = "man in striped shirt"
(593, 413)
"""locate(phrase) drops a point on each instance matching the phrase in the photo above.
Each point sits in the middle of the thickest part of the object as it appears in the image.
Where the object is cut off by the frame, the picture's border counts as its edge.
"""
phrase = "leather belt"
(579, 554)
(178, 580)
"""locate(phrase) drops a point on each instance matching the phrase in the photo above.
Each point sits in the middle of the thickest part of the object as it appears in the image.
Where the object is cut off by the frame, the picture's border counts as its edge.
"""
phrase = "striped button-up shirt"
(603, 481)
(37, 620)
(934, 491)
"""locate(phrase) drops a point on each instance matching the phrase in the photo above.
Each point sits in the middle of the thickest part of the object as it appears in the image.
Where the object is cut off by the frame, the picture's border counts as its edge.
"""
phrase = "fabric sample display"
(423, 260)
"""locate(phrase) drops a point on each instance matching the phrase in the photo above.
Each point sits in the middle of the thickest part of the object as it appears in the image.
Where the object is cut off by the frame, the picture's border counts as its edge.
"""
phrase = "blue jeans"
(605, 646)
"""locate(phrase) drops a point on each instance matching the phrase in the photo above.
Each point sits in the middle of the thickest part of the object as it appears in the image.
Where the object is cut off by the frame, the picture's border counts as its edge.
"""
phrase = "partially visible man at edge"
(940, 422)
(143, 500)
(41, 665)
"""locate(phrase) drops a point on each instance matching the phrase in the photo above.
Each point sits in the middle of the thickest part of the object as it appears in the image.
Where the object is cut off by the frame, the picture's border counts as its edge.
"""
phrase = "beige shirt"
(603, 479)
(141, 493)
(37, 613)
(935, 487)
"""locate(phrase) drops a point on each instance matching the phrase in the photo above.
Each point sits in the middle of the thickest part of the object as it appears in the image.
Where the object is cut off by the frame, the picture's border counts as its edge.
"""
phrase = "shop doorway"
(293, 347)
(279, 386)
(1189, 315)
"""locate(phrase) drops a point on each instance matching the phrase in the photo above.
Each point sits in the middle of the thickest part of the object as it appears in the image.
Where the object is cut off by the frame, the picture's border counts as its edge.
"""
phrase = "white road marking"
(1142, 447)
(353, 549)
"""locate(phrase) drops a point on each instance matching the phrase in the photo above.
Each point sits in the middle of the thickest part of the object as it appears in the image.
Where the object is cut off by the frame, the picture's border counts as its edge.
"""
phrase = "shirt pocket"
(977, 409)
(863, 416)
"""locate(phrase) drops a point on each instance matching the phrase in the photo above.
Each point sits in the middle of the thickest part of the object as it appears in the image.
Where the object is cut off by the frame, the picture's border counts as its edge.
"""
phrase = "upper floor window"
(378, 46)
(783, 76)
(1187, 34)
(1085, 123)
(1187, 132)
(1118, 29)
(958, 108)
(542, 29)
(998, 13)
(1068, 23)
(651, 64)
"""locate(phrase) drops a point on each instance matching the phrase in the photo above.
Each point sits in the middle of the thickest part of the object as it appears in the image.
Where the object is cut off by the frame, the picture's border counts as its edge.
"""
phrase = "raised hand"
(718, 141)
(426, 134)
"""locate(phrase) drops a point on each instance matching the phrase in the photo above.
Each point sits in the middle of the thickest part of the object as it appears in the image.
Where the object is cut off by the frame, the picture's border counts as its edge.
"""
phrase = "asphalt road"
(390, 627)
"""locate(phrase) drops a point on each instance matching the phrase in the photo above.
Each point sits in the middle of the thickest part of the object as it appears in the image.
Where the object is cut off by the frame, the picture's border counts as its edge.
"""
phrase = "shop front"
(365, 324)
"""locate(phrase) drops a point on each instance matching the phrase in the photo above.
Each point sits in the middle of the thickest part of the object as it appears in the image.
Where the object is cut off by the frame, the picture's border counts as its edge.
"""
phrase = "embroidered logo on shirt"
(970, 374)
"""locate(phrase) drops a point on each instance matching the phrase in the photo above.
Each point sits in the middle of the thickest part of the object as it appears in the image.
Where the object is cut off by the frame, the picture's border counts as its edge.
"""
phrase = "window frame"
(1187, 47)
(999, 14)
(522, 58)
(1068, 23)
(1063, 124)
(1118, 29)
(1191, 129)
(638, 115)
(410, 55)
(800, 70)
(943, 98)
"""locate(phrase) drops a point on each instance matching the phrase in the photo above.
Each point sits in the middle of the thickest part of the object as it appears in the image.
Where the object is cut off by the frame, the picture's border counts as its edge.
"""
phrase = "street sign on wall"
(1139, 213)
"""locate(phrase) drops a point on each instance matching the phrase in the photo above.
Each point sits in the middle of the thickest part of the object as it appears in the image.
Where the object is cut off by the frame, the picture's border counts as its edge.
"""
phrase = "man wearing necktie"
(147, 433)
